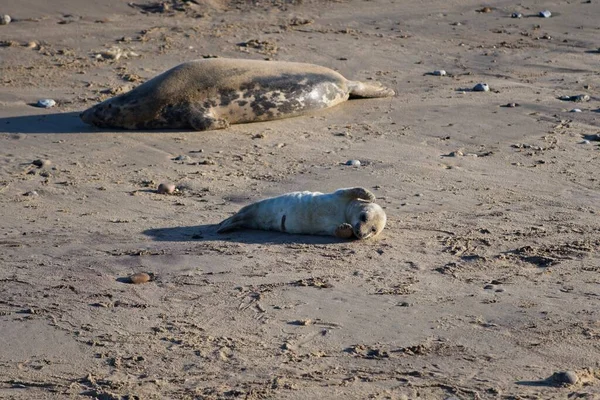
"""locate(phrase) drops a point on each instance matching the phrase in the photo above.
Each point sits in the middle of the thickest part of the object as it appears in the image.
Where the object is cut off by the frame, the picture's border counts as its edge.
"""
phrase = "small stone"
(182, 158)
(564, 378)
(32, 45)
(166, 188)
(545, 14)
(585, 142)
(5, 19)
(32, 193)
(489, 286)
(456, 153)
(353, 163)
(576, 110)
(41, 163)
(512, 105)
(516, 15)
(481, 87)
(141, 277)
(485, 10)
(45, 103)
(439, 72)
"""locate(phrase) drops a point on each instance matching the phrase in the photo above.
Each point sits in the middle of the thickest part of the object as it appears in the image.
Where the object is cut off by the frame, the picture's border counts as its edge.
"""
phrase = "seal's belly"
(278, 98)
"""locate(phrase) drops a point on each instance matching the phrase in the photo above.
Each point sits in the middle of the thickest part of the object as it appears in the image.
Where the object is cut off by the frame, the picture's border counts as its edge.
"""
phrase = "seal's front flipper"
(344, 231)
(357, 193)
(200, 120)
(366, 90)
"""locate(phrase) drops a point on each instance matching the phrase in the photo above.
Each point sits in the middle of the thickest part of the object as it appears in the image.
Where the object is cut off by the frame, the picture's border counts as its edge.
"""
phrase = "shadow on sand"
(45, 123)
(57, 123)
(209, 233)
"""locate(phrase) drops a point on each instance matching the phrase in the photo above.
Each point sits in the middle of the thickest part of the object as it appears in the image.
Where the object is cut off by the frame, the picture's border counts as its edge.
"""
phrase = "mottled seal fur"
(343, 213)
(213, 93)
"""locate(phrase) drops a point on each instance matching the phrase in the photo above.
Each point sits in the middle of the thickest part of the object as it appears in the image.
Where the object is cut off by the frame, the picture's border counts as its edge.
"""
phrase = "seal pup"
(214, 93)
(343, 213)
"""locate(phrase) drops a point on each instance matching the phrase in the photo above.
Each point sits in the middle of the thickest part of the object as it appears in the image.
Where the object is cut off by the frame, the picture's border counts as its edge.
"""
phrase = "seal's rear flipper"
(366, 89)
(230, 224)
(357, 193)
(242, 219)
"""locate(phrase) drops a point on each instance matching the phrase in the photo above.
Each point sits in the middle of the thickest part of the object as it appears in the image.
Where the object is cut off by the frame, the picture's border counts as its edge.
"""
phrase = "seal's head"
(136, 109)
(104, 115)
(367, 219)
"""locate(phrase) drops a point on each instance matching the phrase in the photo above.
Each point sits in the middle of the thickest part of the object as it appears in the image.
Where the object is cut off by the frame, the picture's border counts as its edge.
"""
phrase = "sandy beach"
(485, 283)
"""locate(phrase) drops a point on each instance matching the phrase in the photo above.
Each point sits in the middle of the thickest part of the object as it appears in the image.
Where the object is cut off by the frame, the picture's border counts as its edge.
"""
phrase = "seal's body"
(343, 213)
(213, 93)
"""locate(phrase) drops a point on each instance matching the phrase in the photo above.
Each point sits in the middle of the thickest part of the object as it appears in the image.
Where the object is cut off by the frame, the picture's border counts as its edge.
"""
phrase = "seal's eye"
(363, 217)
(373, 229)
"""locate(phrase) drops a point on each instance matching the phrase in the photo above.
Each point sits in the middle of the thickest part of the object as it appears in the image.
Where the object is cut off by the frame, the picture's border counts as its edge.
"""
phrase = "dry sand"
(484, 283)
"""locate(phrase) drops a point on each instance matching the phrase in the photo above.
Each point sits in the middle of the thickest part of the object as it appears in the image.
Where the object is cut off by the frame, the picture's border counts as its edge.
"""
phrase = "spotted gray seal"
(213, 93)
(343, 213)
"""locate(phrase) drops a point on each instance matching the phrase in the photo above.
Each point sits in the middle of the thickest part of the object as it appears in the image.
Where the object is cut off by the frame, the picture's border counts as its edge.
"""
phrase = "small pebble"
(576, 110)
(5, 19)
(166, 188)
(488, 286)
(564, 378)
(182, 158)
(46, 103)
(32, 45)
(585, 142)
(353, 163)
(33, 193)
(141, 277)
(545, 14)
(512, 105)
(41, 163)
(485, 10)
(516, 15)
(439, 72)
(481, 87)
(456, 153)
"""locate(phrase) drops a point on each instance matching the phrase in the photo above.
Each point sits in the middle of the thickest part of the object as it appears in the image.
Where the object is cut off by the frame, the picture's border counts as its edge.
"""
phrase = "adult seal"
(214, 93)
(344, 213)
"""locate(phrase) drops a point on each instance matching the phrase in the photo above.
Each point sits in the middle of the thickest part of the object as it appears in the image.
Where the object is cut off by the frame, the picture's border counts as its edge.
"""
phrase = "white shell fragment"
(481, 87)
(576, 110)
(516, 15)
(545, 14)
(439, 72)
(45, 103)
(353, 163)
(5, 19)
(115, 53)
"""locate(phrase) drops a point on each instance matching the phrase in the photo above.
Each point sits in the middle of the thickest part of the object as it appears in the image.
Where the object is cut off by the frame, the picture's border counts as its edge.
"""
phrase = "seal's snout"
(103, 115)
(86, 116)
(359, 231)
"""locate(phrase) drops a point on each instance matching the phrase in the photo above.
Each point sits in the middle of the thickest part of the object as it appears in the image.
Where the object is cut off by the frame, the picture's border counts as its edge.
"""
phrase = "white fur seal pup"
(213, 93)
(343, 213)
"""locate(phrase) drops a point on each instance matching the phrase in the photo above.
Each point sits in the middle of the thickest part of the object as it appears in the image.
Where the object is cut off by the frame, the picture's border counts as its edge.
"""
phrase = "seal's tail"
(367, 89)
